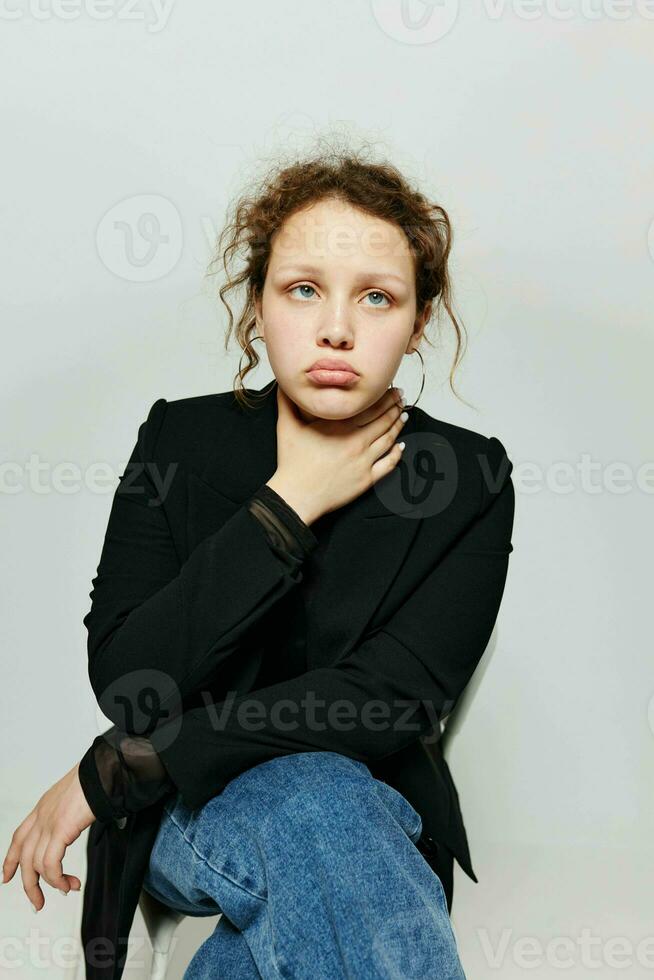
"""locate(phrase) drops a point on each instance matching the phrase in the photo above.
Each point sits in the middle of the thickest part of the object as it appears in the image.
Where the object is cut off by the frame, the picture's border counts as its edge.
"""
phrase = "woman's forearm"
(121, 773)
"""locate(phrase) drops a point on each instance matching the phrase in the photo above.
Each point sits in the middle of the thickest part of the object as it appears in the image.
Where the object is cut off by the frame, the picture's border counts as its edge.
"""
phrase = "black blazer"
(188, 603)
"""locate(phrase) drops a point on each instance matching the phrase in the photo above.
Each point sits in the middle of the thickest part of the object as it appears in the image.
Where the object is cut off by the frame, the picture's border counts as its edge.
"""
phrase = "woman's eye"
(303, 286)
(378, 295)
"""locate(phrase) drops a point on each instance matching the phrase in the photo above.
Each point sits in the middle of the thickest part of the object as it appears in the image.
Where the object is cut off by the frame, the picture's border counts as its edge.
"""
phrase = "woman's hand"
(323, 465)
(39, 843)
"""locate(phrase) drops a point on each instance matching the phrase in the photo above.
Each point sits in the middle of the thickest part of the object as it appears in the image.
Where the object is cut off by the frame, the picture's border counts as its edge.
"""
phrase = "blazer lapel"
(370, 536)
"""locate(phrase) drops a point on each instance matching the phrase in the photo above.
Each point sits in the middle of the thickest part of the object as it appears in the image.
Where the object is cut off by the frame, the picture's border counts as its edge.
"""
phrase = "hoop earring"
(422, 385)
(244, 351)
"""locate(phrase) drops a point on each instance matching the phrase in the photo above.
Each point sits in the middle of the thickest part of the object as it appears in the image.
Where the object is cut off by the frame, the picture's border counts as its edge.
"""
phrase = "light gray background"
(532, 125)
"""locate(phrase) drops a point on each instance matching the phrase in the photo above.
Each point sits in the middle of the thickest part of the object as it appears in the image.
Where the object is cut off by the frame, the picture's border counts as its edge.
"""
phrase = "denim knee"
(310, 784)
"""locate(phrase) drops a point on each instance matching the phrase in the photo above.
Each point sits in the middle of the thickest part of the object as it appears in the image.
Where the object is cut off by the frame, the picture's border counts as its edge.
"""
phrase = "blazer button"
(120, 822)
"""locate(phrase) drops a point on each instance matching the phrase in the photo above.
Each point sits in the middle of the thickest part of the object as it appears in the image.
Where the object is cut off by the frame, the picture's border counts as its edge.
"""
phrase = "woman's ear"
(419, 328)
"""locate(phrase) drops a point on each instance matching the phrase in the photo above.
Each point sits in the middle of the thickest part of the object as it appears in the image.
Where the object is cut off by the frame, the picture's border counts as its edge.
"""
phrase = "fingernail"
(404, 416)
(62, 892)
(34, 908)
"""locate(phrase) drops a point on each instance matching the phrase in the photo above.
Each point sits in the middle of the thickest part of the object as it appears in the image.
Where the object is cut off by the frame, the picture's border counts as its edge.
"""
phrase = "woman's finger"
(52, 868)
(39, 851)
(29, 874)
(12, 858)
(43, 867)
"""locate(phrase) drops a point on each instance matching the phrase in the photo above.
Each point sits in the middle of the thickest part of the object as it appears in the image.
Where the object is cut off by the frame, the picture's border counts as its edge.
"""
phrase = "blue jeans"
(313, 864)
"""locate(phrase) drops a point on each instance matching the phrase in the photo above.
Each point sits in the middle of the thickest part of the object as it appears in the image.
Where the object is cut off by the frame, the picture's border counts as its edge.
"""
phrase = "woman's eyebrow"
(313, 270)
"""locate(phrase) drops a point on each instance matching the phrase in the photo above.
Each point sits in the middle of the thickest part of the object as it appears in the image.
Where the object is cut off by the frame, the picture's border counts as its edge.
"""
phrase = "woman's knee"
(325, 791)
(320, 773)
(305, 793)
(312, 768)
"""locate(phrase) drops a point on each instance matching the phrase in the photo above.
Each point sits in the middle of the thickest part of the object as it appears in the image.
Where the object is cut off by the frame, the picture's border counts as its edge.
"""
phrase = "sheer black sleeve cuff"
(289, 536)
(122, 774)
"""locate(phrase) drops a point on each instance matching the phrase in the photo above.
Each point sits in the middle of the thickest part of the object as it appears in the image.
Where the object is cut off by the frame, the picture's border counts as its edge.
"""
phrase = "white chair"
(161, 923)
(452, 724)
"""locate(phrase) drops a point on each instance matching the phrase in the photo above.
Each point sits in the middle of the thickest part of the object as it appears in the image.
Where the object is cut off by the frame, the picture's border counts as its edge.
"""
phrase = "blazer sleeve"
(178, 622)
(381, 696)
(134, 625)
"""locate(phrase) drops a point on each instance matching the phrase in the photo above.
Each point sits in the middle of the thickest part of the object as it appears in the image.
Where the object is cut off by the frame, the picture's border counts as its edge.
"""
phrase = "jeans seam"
(246, 891)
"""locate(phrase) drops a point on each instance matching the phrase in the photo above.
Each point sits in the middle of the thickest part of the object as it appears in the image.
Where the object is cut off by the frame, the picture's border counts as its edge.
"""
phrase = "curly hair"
(377, 188)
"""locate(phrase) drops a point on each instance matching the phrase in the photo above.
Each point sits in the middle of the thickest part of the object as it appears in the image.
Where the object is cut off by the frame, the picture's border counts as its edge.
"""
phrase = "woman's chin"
(330, 402)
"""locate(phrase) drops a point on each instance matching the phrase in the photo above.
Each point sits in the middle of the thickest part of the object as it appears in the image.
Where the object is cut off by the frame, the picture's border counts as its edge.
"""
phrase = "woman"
(289, 601)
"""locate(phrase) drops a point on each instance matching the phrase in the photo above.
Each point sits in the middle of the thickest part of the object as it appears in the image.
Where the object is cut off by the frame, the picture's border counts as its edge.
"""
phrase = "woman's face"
(340, 285)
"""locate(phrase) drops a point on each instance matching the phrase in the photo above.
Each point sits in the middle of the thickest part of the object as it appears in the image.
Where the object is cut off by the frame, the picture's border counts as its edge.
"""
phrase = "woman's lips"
(324, 377)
